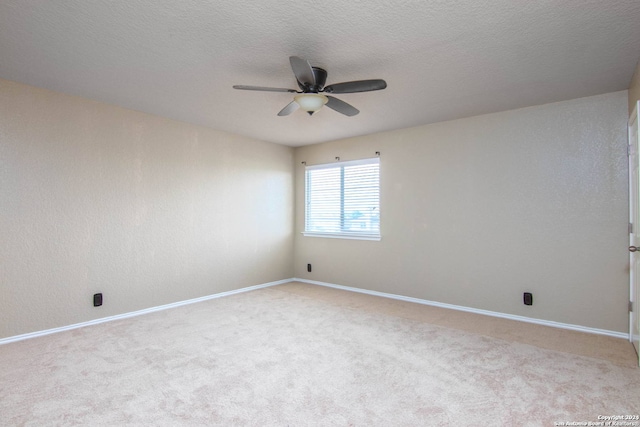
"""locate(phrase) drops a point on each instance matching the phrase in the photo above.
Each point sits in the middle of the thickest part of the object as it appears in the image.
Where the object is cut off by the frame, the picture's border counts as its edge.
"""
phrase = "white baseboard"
(138, 312)
(472, 310)
(313, 282)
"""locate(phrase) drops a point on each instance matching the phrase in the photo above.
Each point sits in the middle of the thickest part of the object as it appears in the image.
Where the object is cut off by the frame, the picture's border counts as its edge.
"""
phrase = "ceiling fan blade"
(341, 106)
(302, 70)
(264, 89)
(356, 86)
(290, 108)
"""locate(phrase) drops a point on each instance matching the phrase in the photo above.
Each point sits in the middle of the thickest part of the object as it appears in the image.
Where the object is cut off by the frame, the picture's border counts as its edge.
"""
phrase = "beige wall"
(149, 211)
(475, 212)
(634, 89)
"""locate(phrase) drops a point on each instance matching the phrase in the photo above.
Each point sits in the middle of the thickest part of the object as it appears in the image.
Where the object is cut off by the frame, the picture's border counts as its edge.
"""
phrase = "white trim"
(353, 236)
(631, 156)
(314, 282)
(138, 312)
(473, 310)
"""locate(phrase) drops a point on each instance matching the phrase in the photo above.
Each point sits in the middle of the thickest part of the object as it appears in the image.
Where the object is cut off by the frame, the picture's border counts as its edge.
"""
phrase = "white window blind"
(343, 199)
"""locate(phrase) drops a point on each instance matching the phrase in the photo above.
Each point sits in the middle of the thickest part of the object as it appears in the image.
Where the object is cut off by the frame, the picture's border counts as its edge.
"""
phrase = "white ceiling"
(442, 59)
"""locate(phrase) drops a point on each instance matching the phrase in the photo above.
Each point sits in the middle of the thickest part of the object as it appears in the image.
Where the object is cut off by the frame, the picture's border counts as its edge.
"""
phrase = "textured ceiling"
(441, 59)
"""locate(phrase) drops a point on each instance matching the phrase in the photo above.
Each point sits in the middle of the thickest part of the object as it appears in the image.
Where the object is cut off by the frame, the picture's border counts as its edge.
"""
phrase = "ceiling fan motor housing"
(321, 78)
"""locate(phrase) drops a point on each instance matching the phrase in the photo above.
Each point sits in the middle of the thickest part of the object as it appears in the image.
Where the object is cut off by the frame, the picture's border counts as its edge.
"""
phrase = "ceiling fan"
(311, 81)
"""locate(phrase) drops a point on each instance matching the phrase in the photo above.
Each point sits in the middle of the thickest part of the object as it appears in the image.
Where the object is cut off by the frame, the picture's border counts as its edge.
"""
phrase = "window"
(343, 200)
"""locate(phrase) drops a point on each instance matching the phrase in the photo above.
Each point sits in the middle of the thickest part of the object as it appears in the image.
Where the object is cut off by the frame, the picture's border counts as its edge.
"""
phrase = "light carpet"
(278, 357)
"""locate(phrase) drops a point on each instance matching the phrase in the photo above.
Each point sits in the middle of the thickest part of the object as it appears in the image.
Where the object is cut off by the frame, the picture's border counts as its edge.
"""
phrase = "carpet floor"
(302, 355)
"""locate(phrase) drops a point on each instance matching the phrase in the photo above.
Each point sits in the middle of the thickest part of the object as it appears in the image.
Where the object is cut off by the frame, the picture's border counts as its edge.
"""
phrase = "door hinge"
(630, 306)
(630, 228)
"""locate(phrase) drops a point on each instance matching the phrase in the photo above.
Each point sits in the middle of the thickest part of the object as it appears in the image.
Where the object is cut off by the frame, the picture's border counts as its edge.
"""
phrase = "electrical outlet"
(527, 298)
(97, 300)
(309, 268)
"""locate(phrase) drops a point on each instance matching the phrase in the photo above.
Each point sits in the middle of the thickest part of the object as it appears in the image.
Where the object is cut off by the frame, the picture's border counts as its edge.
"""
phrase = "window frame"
(369, 235)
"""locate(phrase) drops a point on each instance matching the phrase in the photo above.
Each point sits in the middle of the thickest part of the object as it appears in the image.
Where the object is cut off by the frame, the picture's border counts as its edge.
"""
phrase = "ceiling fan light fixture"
(311, 102)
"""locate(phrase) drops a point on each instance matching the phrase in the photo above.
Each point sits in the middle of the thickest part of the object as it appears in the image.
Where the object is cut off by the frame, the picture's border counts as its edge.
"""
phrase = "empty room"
(279, 213)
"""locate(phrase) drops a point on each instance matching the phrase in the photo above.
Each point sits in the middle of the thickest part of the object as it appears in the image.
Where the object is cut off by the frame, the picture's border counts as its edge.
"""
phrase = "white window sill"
(352, 236)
